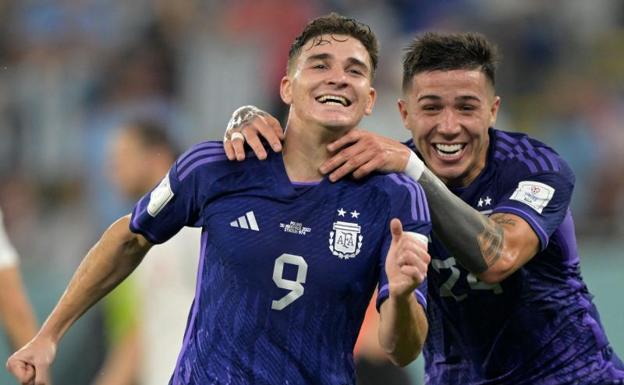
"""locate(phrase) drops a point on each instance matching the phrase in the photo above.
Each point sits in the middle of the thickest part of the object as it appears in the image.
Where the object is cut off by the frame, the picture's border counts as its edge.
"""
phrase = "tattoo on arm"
(503, 219)
(491, 242)
(242, 116)
(475, 240)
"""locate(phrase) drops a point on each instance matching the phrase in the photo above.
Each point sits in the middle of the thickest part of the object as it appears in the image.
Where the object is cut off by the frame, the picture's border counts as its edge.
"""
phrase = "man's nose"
(449, 124)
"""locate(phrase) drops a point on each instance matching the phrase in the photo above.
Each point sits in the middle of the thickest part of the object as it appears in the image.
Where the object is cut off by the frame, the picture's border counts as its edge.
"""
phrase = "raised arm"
(403, 323)
(108, 263)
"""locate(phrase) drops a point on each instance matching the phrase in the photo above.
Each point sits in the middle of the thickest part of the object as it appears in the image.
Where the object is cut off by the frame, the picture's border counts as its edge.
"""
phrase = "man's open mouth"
(448, 150)
(334, 99)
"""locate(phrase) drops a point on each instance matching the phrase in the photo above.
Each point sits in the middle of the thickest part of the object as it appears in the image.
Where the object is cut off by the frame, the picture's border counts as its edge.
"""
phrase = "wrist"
(401, 299)
(415, 167)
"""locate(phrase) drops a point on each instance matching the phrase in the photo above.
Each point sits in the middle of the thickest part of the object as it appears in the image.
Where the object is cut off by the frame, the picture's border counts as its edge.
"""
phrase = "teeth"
(448, 149)
(333, 99)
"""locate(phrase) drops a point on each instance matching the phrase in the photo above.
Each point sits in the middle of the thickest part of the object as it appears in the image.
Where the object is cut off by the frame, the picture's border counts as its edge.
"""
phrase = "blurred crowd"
(73, 71)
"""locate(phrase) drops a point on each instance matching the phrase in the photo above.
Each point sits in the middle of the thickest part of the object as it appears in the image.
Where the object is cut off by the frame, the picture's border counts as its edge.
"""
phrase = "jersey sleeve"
(409, 204)
(178, 199)
(8, 255)
(541, 199)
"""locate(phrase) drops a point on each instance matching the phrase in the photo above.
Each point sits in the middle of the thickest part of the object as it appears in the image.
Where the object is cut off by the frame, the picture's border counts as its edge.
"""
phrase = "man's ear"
(372, 97)
(402, 104)
(494, 110)
(286, 90)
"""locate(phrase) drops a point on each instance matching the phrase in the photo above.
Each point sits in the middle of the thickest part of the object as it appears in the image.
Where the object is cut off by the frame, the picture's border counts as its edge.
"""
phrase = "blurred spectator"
(16, 314)
(147, 315)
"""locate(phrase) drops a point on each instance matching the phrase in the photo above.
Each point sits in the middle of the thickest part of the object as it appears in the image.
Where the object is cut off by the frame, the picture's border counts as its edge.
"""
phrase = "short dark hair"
(444, 52)
(335, 24)
(152, 134)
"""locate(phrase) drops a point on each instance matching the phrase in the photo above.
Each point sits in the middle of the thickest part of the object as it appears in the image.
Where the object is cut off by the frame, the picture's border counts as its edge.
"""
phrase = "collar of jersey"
(285, 187)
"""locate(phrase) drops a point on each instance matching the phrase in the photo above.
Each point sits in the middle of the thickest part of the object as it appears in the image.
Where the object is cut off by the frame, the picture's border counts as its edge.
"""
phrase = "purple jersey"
(286, 271)
(538, 326)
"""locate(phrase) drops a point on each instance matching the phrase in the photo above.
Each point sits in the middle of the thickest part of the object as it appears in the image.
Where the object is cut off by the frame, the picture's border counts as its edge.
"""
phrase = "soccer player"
(289, 260)
(507, 301)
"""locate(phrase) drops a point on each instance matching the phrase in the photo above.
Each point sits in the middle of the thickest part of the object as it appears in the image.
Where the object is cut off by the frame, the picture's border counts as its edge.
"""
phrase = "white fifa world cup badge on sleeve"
(159, 197)
(345, 240)
(536, 195)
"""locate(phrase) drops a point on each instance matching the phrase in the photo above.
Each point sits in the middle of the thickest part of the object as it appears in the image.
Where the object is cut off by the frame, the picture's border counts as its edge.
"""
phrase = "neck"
(305, 149)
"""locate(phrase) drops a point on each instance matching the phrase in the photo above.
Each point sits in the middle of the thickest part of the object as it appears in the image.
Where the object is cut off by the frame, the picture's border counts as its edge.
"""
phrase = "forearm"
(402, 329)
(472, 238)
(108, 263)
(15, 311)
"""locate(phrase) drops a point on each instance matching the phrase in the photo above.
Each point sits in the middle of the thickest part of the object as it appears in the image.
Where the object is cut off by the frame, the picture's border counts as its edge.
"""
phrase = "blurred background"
(73, 71)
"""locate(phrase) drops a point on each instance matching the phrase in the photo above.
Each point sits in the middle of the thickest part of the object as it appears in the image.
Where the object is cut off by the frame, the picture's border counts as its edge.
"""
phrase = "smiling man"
(289, 260)
(507, 304)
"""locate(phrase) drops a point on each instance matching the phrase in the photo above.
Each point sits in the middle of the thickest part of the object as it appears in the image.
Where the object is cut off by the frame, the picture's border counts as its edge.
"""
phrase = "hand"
(406, 262)
(365, 152)
(249, 123)
(31, 364)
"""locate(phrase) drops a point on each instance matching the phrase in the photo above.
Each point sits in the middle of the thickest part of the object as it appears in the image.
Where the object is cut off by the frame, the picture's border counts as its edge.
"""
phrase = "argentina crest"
(345, 240)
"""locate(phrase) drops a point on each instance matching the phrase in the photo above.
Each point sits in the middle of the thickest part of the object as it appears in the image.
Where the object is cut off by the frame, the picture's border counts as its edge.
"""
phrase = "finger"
(276, 126)
(350, 138)
(351, 165)
(412, 260)
(256, 145)
(229, 150)
(414, 272)
(21, 370)
(239, 149)
(344, 155)
(370, 166)
(272, 132)
(396, 228)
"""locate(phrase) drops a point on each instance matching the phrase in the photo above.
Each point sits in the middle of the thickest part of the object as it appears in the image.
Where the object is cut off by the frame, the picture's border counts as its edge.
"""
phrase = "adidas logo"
(247, 221)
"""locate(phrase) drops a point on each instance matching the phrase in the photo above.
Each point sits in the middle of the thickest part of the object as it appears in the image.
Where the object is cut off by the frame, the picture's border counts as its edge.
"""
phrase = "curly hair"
(335, 24)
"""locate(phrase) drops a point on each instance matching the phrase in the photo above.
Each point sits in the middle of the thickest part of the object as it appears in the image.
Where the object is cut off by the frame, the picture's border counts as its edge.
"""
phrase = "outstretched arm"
(108, 263)
(403, 323)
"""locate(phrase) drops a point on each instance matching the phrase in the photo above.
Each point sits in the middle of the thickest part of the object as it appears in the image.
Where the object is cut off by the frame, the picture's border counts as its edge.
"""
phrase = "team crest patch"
(345, 240)
(534, 194)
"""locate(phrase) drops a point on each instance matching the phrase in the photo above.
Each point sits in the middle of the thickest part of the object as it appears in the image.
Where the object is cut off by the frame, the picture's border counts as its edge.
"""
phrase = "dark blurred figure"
(372, 366)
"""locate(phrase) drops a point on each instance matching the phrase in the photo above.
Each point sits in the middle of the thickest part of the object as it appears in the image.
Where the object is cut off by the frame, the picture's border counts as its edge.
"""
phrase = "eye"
(355, 71)
(319, 66)
(467, 107)
(431, 107)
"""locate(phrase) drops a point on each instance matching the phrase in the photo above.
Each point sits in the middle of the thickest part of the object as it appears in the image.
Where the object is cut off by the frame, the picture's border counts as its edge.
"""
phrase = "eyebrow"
(325, 56)
(457, 99)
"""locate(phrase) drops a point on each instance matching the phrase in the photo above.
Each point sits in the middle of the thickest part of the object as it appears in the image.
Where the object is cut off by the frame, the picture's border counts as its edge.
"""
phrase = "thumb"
(396, 228)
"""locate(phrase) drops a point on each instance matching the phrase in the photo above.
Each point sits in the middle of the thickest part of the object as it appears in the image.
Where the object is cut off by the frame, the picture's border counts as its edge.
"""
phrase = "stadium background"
(71, 71)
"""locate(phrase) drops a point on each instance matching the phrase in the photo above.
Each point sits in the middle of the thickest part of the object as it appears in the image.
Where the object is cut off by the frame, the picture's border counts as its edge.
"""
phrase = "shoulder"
(523, 155)
(397, 186)
(208, 158)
